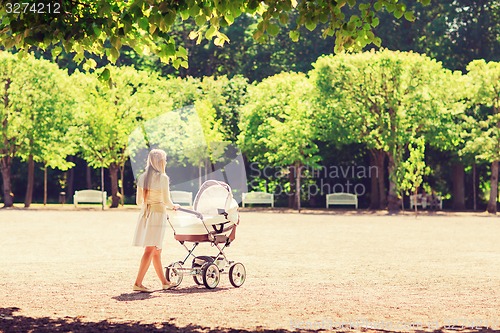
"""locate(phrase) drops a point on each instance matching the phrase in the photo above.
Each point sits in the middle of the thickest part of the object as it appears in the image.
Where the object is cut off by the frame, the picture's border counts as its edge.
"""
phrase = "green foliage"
(37, 113)
(102, 27)
(384, 99)
(227, 97)
(410, 175)
(277, 124)
(483, 135)
(107, 115)
(452, 32)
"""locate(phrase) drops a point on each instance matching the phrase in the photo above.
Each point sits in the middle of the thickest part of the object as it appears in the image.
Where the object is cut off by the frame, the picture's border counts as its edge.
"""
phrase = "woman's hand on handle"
(176, 206)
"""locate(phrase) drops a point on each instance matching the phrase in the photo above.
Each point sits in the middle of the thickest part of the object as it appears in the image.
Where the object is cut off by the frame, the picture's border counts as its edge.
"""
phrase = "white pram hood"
(218, 209)
(215, 199)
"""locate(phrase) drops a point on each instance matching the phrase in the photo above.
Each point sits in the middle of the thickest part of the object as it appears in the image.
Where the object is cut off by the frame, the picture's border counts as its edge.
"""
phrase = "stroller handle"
(189, 211)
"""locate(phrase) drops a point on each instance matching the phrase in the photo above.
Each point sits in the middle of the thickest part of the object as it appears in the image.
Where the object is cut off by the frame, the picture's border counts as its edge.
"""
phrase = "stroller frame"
(206, 270)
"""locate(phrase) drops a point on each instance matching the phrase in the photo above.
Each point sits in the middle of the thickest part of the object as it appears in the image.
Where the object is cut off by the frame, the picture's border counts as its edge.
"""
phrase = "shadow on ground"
(9, 322)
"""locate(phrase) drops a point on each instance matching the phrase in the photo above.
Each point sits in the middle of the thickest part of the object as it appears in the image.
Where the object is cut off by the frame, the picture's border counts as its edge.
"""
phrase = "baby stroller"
(213, 220)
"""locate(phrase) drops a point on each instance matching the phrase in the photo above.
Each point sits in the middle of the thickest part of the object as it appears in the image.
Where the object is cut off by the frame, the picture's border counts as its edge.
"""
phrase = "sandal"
(142, 289)
(169, 286)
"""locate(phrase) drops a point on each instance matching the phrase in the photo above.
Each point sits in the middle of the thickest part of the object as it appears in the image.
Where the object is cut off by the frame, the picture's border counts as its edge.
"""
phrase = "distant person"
(153, 195)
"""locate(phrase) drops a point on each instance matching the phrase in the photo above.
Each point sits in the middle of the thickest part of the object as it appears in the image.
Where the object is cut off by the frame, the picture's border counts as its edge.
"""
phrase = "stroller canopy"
(215, 198)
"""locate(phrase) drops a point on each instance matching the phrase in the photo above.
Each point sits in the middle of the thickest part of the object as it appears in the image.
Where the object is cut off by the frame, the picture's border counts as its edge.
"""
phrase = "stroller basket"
(213, 220)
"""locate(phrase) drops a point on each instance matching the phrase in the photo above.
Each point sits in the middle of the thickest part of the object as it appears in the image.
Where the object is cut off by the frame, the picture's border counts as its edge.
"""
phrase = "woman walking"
(153, 195)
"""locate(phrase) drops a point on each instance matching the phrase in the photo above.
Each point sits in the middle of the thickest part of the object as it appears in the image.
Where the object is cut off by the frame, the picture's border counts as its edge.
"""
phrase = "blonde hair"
(156, 164)
(157, 160)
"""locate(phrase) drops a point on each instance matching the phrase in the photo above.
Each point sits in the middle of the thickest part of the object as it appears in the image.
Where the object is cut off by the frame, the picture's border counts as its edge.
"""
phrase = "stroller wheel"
(197, 263)
(237, 274)
(173, 273)
(211, 275)
(197, 280)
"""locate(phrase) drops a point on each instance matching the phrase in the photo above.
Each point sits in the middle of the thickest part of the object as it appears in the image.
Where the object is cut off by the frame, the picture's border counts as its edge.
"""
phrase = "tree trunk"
(381, 180)
(102, 184)
(375, 192)
(122, 190)
(8, 197)
(393, 201)
(298, 172)
(45, 185)
(113, 175)
(291, 198)
(415, 195)
(458, 173)
(474, 186)
(88, 176)
(492, 204)
(378, 179)
(28, 198)
(70, 185)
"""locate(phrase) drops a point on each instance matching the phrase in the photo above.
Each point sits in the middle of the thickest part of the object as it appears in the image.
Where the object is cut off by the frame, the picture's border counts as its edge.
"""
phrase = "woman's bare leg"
(145, 262)
(158, 266)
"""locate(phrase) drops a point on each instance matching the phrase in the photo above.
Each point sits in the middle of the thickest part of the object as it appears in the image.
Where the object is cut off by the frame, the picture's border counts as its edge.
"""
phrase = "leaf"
(170, 17)
(311, 25)
(283, 18)
(96, 30)
(184, 15)
(56, 51)
(176, 63)
(273, 29)
(209, 34)
(409, 16)
(294, 35)
(182, 53)
(194, 11)
(200, 20)
(193, 34)
(105, 75)
(152, 29)
(115, 54)
(143, 23)
(398, 13)
(89, 64)
(229, 18)
(219, 41)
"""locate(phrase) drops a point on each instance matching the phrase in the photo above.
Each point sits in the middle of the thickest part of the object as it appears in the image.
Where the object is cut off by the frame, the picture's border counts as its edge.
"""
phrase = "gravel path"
(73, 270)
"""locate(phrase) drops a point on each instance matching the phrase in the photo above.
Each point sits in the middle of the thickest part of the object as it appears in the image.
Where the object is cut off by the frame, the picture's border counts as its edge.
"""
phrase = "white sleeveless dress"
(152, 220)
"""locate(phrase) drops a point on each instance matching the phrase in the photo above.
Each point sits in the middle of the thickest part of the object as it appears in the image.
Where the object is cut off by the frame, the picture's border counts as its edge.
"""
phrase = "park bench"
(257, 198)
(424, 201)
(89, 196)
(182, 197)
(341, 199)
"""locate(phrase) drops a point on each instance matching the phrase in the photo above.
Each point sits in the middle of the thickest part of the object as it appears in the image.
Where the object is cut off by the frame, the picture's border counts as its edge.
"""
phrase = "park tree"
(36, 118)
(205, 140)
(411, 174)
(278, 127)
(484, 132)
(11, 138)
(383, 99)
(454, 32)
(103, 27)
(50, 128)
(227, 96)
(108, 115)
